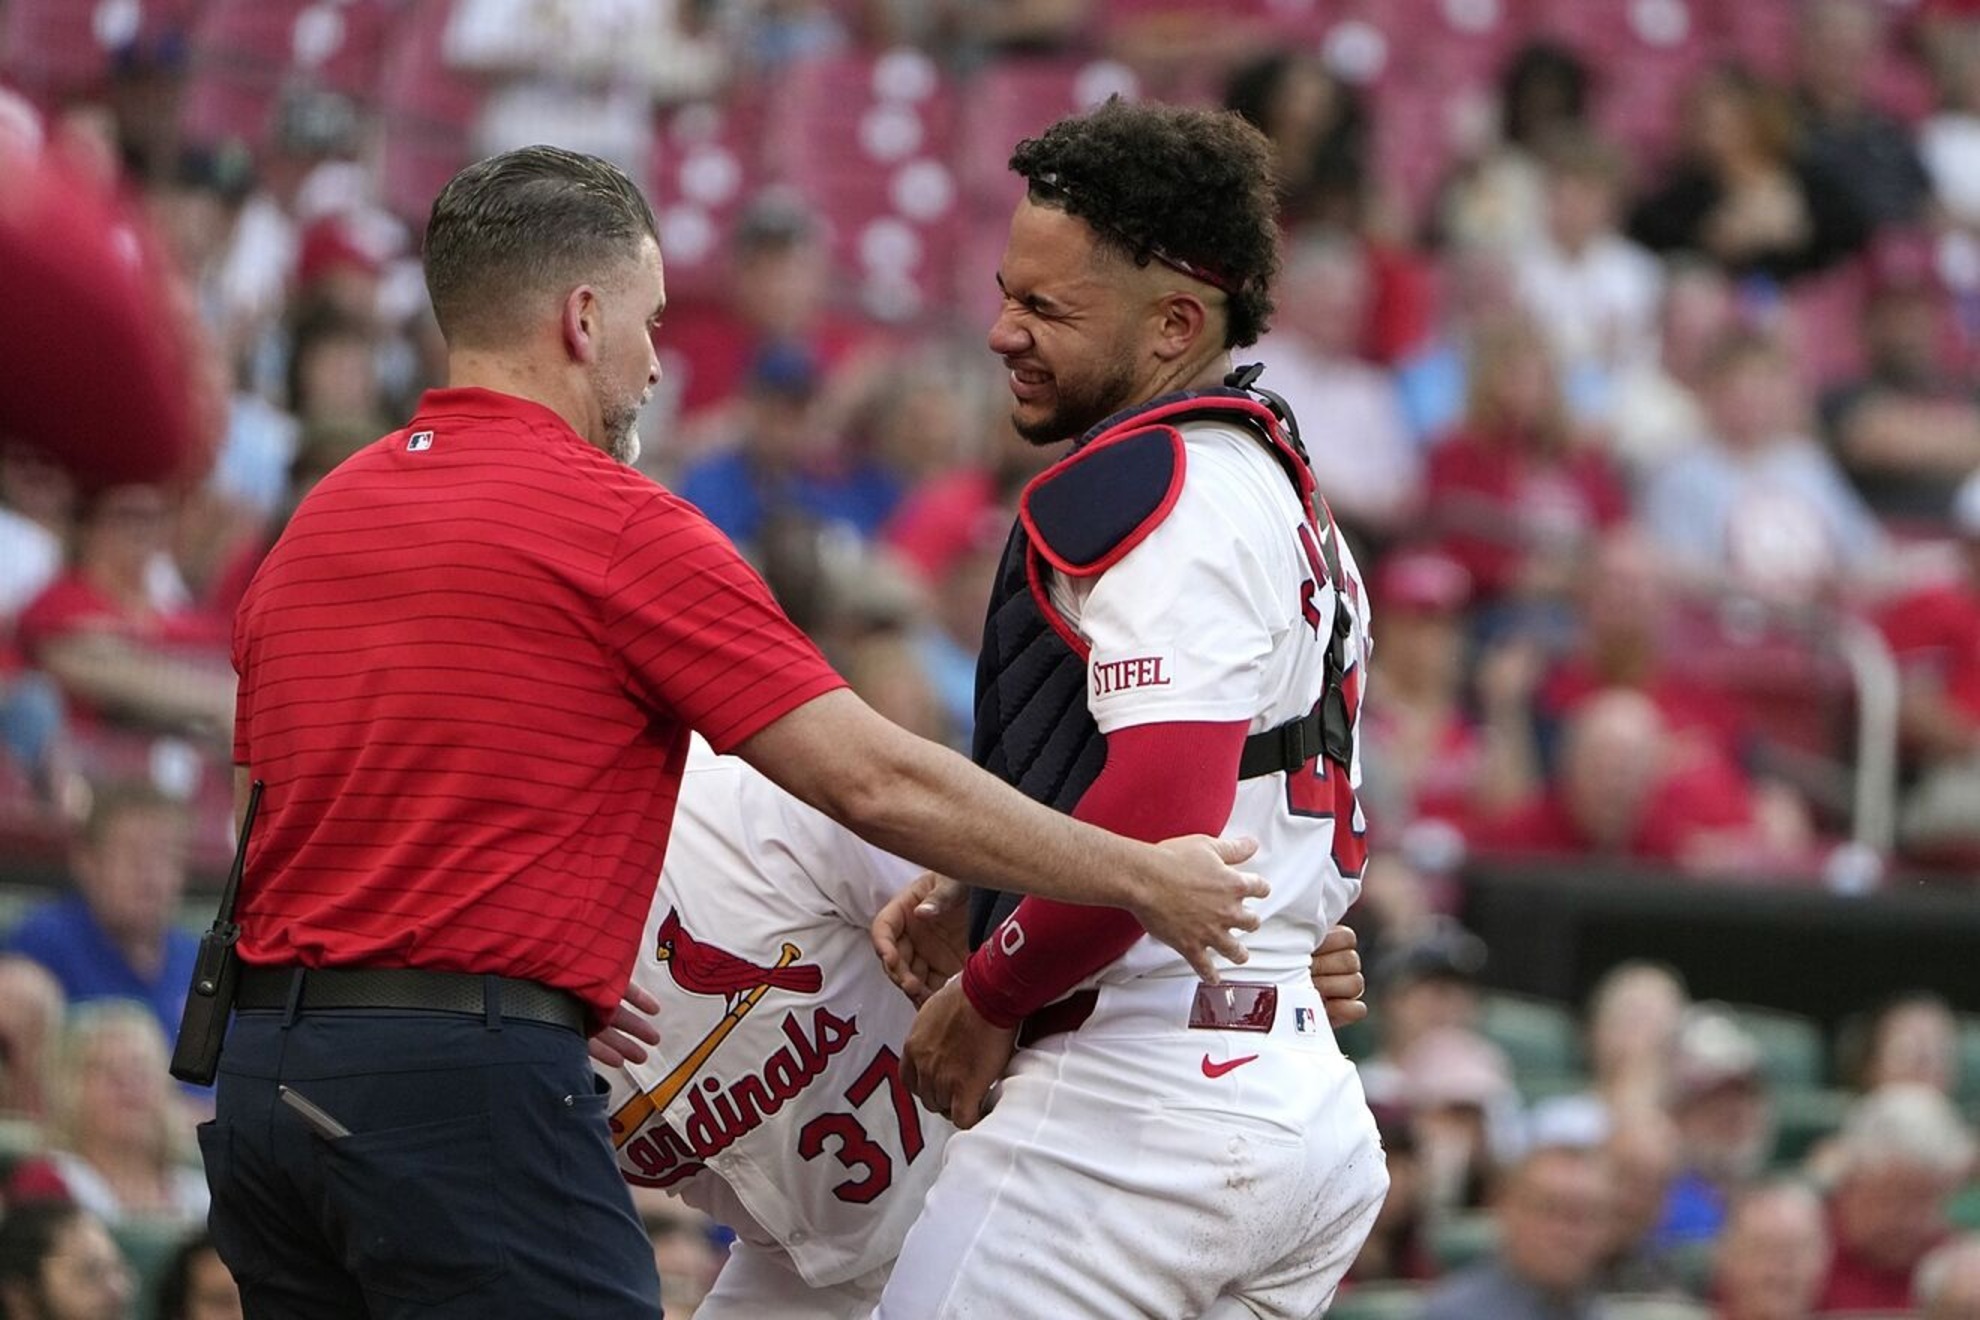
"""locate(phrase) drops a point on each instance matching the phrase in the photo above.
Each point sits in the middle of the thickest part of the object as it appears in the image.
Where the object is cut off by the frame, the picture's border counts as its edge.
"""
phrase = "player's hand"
(922, 935)
(624, 1039)
(1337, 976)
(953, 1054)
(1195, 900)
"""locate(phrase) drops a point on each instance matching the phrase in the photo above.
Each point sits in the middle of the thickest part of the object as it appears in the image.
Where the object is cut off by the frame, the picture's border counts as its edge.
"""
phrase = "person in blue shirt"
(114, 935)
(785, 463)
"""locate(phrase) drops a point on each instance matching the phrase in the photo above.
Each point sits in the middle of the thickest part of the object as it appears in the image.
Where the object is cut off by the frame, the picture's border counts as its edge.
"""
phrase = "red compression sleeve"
(1160, 780)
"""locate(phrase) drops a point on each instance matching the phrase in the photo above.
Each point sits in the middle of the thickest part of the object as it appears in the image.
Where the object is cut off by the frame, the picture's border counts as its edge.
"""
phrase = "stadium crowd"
(1635, 343)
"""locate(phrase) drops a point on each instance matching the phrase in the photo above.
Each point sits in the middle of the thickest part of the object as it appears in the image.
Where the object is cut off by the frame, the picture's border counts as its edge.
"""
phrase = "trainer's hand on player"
(953, 1055)
(624, 1039)
(1337, 976)
(1197, 901)
(922, 935)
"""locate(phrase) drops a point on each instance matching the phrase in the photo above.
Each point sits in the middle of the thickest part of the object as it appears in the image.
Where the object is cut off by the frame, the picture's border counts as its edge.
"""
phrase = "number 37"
(857, 1150)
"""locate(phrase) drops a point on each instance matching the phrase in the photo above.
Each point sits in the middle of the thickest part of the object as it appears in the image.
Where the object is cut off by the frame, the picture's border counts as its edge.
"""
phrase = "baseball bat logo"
(700, 968)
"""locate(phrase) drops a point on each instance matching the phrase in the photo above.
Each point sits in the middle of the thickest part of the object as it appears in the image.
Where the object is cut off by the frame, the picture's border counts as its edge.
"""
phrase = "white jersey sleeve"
(1188, 625)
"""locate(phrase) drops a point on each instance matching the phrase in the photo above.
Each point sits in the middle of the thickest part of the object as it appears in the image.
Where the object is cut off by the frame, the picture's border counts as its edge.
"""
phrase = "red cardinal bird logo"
(702, 969)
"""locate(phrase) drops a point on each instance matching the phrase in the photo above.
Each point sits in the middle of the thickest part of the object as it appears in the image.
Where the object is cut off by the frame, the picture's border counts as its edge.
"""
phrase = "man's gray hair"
(1907, 1123)
(522, 223)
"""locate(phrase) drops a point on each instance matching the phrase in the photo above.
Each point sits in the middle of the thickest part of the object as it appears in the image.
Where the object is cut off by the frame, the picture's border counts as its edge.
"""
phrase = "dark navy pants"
(478, 1179)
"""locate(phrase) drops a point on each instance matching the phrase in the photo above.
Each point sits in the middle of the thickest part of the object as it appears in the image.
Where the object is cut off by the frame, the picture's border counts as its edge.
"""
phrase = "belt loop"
(294, 1005)
(491, 1001)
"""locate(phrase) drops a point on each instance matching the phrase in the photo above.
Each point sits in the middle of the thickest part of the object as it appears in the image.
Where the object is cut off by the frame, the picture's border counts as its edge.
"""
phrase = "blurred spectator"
(1553, 1212)
(1626, 620)
(31, 1012)
(1511, 493)
(1738, 192)
(1948, 1283)
(117, 1134)
(784, 459)
(1760, 507)
(1496, 198)
(101, 632)
(1622, 786)
(333, 371)
(1427, 753)
(1643, 1150)
(1479, 291)
(1909, 430)
(1365, 460)
(1464, 1116)
(1592, 292)
(914, 416)
(58, 1262)
(116, 936)
(776, 294)
(37, 511)
(1838, 50)
(1634, 1015)
(1934, 633)
(1630, 1038)
(1949, 141)
(1773, 1254)
(1905, 1151)
(1657, 410)
(1426, 981)
(1911, 1038)
(1723, 1108)
(316, 137)
(1318, 128)
(577, 73)
(195, 1285)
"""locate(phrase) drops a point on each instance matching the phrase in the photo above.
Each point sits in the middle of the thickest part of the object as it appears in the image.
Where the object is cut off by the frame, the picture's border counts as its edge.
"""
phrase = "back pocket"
(232, 1220)
(414, 1204)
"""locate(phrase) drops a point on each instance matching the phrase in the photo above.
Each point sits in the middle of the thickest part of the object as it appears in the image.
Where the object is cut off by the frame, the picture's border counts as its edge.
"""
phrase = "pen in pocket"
(313, 1114)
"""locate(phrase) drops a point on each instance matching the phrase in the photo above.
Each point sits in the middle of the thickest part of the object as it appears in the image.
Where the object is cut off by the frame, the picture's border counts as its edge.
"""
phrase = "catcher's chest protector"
(1033, 728)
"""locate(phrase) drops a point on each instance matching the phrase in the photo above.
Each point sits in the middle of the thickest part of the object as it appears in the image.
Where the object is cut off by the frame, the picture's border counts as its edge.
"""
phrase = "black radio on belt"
(210, 998)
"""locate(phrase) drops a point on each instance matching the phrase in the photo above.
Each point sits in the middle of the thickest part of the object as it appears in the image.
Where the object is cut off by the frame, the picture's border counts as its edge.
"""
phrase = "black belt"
(328, 989)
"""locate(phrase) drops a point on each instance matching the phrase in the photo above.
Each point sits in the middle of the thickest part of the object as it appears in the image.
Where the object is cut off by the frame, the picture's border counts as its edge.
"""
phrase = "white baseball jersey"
(776, 1101)
(1224, 613)
(1138, 1165)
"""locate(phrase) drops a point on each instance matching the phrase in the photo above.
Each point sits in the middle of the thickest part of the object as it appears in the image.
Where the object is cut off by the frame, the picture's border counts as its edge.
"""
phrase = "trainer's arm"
(924, 802)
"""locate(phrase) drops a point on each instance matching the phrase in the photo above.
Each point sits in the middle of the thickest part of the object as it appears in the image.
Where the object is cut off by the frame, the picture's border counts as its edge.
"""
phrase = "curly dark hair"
(1190, 188)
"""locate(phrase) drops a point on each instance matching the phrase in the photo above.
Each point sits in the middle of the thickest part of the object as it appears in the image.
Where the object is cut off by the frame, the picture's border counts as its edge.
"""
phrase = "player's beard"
(619, 415)
(1081, 402)
(622, 432)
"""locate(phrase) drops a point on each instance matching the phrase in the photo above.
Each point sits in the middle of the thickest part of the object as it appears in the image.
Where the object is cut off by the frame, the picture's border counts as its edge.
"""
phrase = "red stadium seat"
(1014, 99)
(870, 141)
(56, 49)
(429, 112)
(706, 164)
(245, 53)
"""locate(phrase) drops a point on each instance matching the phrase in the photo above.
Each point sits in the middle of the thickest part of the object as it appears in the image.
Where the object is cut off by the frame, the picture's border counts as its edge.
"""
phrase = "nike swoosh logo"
(1219, 1069)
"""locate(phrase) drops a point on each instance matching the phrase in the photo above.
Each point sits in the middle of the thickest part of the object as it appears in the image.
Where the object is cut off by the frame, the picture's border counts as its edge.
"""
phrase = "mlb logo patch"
(419, 440)
(1306, 1021)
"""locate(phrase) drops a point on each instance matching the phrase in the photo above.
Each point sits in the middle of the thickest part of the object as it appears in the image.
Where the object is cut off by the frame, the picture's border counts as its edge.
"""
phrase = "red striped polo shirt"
(468, 671)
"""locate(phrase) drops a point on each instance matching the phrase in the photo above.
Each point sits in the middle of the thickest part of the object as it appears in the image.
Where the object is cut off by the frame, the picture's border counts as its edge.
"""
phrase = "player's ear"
(580, 318)
(1181, 322)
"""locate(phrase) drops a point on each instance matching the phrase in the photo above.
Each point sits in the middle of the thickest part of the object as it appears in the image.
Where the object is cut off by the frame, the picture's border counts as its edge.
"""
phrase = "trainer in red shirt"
(468, 669)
